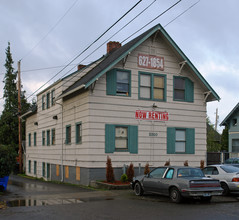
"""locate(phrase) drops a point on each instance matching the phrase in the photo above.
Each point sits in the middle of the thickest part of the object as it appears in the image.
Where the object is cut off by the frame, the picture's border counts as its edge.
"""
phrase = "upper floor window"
(118, 82)
(68, 134)
(183, 89)
(43, 138)
(152, 86)
(48, 137)
(48, 100)
(35, 139)
(53, 136)
(78, 133)
(234, 121)
(29, 139)
(53, 97)
(43, 102)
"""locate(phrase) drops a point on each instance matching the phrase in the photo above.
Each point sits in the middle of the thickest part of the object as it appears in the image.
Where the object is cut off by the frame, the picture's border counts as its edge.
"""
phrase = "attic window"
(234, 121)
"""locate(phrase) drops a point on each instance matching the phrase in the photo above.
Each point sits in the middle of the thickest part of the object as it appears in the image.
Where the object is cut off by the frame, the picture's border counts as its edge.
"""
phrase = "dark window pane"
(179, 83)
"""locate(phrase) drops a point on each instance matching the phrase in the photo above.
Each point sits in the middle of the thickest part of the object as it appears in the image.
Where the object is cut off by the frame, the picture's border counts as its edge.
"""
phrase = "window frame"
(110, 138)
(29, 166)
(43, 138)
(48, 100)
(180, 141)
(53, 97)
(111, 82)
(78, 130)
(43, 169)
(48, 137)
(152, 87)
(35, 167)
(53, 136)
(29, 139)
(188, 90)
(68, 134)
(43, 102)
(235, 147)
(171, 140)
(35, 139)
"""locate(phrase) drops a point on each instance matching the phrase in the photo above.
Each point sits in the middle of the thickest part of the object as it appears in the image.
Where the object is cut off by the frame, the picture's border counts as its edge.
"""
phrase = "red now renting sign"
(151, 115)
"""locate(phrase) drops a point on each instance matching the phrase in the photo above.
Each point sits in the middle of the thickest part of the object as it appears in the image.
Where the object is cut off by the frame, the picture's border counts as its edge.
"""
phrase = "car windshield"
(230, 169)
(190, 172)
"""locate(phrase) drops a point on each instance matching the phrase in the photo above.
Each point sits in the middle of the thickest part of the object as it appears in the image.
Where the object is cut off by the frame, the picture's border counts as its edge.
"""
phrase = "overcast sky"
(46, 34)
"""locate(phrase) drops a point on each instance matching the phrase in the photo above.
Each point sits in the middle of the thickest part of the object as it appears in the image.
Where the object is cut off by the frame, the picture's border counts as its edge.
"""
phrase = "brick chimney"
(80, 66)
(112, 46)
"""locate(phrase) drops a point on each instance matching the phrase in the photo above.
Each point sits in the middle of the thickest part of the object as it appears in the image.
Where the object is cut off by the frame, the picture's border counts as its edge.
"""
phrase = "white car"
(227, 175)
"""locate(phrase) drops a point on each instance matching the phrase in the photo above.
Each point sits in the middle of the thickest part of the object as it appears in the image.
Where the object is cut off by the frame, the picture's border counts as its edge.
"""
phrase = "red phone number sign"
(150, 61)
(151, 115)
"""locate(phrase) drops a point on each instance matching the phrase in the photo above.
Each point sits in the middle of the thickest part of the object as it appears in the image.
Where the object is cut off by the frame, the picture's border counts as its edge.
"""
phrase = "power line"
(86, 48)
(152, 20)
(52, 28)
(108, 40)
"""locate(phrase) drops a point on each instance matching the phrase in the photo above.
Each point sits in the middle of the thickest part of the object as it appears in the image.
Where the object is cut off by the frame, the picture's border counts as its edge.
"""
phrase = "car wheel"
(226, 190)
(175, 195)
(138, 189)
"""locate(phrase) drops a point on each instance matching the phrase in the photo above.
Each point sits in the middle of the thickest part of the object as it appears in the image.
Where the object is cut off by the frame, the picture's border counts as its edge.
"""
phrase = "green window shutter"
(189, 90)
(111, 82)
(170, 140)
(35, 139)
(109, 138)
(133, 139)
(190, 140)
(43, 169)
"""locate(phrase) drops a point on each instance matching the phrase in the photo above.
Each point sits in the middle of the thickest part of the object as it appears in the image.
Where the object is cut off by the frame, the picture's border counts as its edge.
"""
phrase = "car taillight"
(235, 179)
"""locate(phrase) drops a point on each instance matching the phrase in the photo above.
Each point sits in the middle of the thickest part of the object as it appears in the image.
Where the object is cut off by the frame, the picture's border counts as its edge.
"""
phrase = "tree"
(9, 116)
(224, 140)
(110, 177)
(213, 138)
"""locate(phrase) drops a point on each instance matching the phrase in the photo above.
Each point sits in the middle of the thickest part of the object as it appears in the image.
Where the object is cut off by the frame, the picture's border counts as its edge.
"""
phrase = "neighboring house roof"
(113, 58)
(228, 117)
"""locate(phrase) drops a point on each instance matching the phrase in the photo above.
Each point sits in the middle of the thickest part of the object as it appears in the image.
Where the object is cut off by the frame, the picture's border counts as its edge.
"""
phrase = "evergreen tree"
(9, 117)
(213, 138)
(225, 139)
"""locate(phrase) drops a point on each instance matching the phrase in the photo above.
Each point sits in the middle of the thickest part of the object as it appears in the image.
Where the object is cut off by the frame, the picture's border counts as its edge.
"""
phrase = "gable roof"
(228, 117)
(113, 58)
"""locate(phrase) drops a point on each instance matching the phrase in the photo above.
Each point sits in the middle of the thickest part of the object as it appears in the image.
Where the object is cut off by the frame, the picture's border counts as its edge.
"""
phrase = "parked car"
(234, 161)
(228, 176)
(177, 182)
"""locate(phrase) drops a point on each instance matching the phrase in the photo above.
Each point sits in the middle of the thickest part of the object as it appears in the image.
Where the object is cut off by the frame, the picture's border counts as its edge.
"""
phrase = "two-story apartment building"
(232, 122)
(141, 102)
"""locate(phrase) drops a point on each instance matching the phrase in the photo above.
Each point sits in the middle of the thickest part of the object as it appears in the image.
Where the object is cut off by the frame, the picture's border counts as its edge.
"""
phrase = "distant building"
(141, 102)
(232, 122)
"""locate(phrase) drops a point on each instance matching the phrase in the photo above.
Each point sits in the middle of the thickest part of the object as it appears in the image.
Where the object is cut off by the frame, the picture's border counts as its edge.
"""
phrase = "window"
(43, 169)
(29, 139)
(35, 139)
(169, 174)
(78, 133)
(210, 171)
(235, 145)
(53, 97)
(53, 136)
(48, 100)
(180, 140)
(118, 82)
(121, 138)
(35, 167)
(43, 138)
(43, 102)
(68, 134)
(29, 166)
(152, 86)
(158, 172)
(183, 89)
(234, 121)
(48, 137)
(48, 170)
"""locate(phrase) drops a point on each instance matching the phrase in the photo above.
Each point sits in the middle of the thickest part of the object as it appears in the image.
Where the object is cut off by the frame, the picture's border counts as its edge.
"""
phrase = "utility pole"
(19, 116)
(216, 121)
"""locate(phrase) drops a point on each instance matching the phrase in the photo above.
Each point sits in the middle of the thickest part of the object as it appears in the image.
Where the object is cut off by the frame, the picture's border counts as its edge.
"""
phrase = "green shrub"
(124, 178)
(7, 160)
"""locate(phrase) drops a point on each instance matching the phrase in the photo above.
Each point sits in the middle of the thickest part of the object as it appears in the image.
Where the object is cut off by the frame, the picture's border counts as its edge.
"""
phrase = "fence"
(217, 157)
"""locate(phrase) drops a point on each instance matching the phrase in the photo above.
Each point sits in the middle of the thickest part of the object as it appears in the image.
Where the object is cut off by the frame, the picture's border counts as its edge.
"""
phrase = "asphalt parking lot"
(27, 198)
